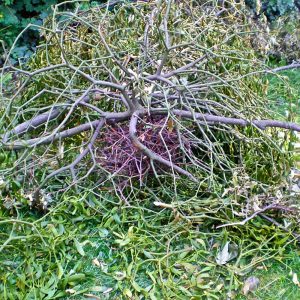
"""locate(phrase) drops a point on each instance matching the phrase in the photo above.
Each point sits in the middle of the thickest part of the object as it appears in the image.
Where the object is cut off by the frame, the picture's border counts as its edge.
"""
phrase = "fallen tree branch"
(262, 124)
(44, 140)
(184, 80)
(277, 224)
(284, 68)
(118, 117)
(259, 212)
(21, 144)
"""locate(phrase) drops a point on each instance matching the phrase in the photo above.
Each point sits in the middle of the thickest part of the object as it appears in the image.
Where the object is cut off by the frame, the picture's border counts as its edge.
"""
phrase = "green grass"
(78, 249)
(89, 247)
(276, 279)
(284, 92)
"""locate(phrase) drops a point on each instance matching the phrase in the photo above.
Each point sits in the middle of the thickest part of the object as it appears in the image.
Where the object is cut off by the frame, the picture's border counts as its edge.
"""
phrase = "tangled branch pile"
(152, 88)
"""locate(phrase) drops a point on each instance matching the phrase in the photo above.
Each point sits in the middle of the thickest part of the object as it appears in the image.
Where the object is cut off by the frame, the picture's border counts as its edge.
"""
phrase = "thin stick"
(295, 235)
(259, 212)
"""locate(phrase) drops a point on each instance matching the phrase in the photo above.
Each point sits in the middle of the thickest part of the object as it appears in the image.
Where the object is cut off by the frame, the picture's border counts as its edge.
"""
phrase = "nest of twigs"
(118, 155)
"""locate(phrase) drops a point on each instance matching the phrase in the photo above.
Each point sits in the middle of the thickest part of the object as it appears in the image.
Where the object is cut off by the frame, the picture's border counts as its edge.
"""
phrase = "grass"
(284, 92)
(128, 253)
(88, 247)
(276, 278)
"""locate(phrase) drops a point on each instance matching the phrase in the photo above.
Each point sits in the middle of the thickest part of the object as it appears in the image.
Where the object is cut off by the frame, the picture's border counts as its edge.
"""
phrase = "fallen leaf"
(91, 296)
(120, 275)
(250, 285)
(99, 288)
(96, 262)
(295, 279)
(261, 268)
(228, 253)
(164, 205)
(108, 291)
(295, 188)
(128, 293)
(79, 247)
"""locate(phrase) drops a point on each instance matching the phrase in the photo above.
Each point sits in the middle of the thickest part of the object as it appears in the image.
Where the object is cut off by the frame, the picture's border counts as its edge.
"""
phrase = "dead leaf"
(262, 267)
(229, 252)
(91, 296)
(108, 291)
(250, 285)
(295, 279)
(96, 262)
(70, 291)
(170, 125)
(164, 205)
(295, 188)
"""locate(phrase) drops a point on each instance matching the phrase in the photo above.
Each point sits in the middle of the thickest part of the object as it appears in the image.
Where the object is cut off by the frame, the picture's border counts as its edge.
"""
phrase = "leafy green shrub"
(273, 9)
(16, 15)
(279, 40)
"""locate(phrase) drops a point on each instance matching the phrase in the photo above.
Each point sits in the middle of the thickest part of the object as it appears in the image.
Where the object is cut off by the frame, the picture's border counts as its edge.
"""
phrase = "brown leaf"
(250, 285)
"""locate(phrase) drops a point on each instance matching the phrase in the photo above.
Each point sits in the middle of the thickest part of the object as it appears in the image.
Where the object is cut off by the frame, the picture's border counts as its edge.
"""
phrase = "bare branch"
(118, 117)
(258, 212)
(261, 124)
(22, 144)
(79, 158)
(284, 68)
(18, 145)
(184, 68)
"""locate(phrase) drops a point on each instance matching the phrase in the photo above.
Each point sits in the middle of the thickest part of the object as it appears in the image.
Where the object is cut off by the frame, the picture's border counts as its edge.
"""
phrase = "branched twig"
(284, 68)
(118, 117)
(78, 159)
(259, 212)
(295, 235)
